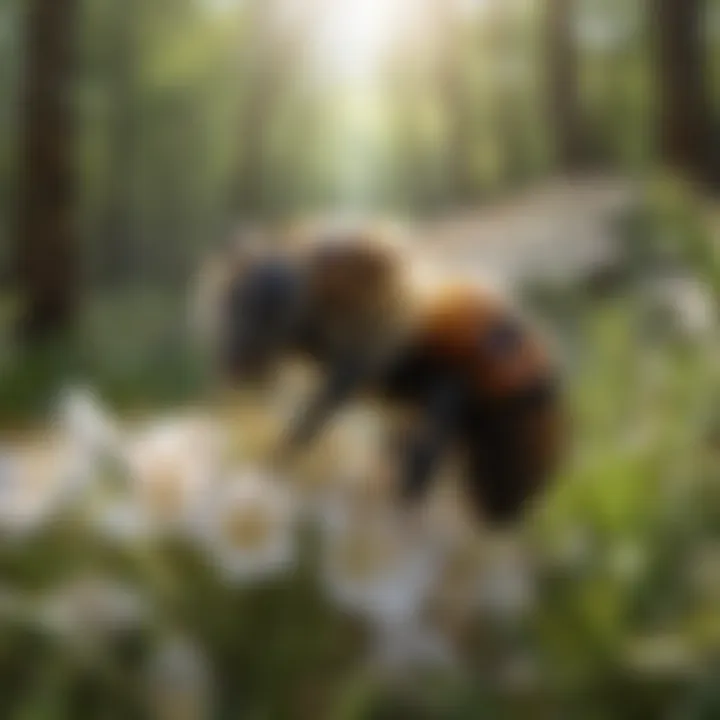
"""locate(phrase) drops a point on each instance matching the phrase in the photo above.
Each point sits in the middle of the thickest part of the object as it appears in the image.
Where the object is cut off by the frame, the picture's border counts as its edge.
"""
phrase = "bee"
(475, 377)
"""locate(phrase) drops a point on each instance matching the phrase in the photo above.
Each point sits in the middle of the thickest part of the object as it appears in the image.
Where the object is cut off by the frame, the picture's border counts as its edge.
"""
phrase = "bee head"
(262, 314)
(249, 308)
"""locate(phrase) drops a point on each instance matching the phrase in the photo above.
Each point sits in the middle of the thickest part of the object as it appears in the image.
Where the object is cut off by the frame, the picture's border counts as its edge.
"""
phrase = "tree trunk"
(250, 190)
(46, 235)
(457, 101)
(460, 135)
(121, 252)
(265, 76)
(686, 111)
(566, 119)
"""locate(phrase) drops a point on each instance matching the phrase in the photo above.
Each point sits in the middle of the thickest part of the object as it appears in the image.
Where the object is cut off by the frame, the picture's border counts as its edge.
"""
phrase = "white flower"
(376, 568)
(248, 527)
(87, 424)
(179, 684)
(683, 302)
(35, 480)
(172, 465)
(346, 456)
(382, 566)
(506, 587)
(90, 610)
(481, 574)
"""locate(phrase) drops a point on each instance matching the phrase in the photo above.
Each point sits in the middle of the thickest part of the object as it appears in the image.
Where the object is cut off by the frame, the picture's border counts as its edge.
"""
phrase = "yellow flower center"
(247, 530)
(165, 492)
(362, 558)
